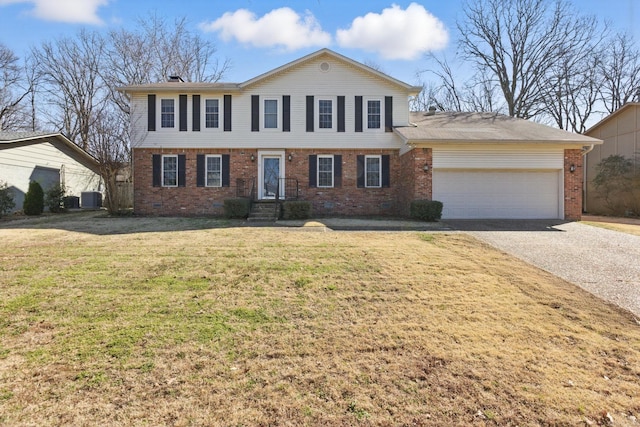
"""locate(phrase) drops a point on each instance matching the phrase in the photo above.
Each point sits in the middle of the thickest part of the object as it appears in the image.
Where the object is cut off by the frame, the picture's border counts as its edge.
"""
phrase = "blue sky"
(259, 35)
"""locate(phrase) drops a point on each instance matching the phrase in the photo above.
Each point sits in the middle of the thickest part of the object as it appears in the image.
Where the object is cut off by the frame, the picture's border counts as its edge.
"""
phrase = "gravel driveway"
(603, 262)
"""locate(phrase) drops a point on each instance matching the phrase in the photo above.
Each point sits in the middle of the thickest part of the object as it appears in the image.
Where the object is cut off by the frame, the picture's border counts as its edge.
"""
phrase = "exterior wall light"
(425, 167)
(253, 158)
(290, 157)
(572, 168)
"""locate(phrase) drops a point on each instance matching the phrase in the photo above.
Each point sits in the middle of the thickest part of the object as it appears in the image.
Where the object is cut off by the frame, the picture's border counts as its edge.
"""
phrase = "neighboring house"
(48, 158)
(620, 132)
(339, 134)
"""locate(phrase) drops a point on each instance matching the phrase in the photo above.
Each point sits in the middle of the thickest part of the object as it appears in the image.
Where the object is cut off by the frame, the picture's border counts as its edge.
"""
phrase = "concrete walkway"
(603, 262)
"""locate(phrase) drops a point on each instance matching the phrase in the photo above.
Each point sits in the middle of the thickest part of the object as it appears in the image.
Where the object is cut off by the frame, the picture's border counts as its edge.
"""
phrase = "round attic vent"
(324, 67)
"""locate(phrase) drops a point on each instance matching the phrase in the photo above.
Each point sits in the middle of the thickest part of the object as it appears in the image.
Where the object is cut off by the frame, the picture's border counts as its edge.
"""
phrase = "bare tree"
(12, 91)
(155, 51)
(572, 91)
(450, 93)
(109, 143)
(620, 70)
(70, 72)
(516, 42)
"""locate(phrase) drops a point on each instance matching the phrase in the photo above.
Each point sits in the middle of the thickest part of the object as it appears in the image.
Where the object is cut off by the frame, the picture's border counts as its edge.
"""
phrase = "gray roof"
(443, 127)
(21, 136)
(7, 139)
(188, 87)
(184, 87)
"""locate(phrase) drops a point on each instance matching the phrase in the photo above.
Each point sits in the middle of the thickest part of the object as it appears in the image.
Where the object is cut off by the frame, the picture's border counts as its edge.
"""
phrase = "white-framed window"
(167, 113)
(169, 170)
(325, 114)
(374, 114)
(212, 113)
(325, 171)
(213, 174)
(373, 171)
(270, 118)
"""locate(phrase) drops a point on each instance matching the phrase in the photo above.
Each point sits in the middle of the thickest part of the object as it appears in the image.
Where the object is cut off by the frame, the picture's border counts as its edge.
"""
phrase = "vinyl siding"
(17, 165)
(498, 157)
(305, 79)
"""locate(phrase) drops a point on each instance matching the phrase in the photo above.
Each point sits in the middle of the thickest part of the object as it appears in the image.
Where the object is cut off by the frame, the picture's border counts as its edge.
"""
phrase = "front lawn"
(195, 322)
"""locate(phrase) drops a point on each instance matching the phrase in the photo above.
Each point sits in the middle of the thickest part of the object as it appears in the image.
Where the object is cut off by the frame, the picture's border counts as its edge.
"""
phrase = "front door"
(271, 170)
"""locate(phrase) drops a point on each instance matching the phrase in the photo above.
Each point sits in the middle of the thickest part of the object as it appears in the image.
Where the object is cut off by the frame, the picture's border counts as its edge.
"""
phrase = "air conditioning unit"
(90, 200)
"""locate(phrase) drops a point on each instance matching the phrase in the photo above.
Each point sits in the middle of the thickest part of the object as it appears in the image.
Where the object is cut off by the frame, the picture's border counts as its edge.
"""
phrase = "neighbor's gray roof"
(57, 139)
(449, 127)
(21, 136)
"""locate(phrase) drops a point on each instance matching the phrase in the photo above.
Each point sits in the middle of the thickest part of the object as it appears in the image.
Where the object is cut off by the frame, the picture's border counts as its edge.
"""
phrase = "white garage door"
(498, 194)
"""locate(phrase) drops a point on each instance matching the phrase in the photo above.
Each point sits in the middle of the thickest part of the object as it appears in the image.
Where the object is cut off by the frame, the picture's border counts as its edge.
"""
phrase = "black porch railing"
(291, 189)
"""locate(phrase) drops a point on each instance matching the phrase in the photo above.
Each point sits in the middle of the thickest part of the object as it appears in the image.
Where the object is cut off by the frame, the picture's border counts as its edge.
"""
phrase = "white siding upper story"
(309, 78)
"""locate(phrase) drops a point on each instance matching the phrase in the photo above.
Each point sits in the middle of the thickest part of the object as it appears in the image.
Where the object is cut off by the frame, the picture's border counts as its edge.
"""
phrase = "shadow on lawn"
(100, 223)
(505, 224)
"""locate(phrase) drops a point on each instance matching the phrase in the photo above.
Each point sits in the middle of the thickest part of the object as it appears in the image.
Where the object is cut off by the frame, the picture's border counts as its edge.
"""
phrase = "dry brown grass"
(242, 326)
(630, 228)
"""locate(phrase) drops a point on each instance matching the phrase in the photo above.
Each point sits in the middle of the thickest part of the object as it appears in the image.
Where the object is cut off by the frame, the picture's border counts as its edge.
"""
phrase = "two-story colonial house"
(339, 134)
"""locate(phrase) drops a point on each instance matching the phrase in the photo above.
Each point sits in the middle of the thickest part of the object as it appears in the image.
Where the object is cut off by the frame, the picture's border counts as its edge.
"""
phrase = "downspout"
(585, 150)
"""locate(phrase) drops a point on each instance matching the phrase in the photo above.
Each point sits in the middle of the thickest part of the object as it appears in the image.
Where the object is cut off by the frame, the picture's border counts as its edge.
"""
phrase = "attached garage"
(491, 166)
(498, 182)
(498, 194)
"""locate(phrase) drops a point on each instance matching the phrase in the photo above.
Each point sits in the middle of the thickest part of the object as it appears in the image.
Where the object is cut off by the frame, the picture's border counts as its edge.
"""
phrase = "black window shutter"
(227, 113)
(183, 113)
(341, 114)
(157, 170)
(358, 114)
(151, 113)
(200, 170)
(182, 172)
(310, 116)
(313, 170)
(337, 171)
(386, 173)
(226, 175)
(286, 113)
(195, 125)
(360, 170)
(255, 113)
(388, 114)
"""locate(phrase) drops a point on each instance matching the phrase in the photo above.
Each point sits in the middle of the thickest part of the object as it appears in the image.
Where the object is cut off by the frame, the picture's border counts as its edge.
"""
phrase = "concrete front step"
(263, 212)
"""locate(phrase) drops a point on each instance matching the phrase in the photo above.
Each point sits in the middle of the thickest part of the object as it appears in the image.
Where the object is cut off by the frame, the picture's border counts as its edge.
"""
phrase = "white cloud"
(72, 11)
(281, 27)
(396, 33)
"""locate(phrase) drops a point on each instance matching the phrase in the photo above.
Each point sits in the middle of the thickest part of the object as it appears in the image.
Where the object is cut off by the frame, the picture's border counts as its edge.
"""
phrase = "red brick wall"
(573, 182)
(191, 200)
(415, 183)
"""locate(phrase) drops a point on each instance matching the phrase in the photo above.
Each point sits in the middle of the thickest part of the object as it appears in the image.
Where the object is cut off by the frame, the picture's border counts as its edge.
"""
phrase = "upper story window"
(170, 171)
(325, 171)
(270, 113)
(167, 113)
(325, 114)
(214, 171)
(373, 171)
(374, 113)
(212, 113)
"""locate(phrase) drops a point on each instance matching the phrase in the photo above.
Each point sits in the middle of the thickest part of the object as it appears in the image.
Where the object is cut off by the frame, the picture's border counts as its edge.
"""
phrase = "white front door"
(270, 170)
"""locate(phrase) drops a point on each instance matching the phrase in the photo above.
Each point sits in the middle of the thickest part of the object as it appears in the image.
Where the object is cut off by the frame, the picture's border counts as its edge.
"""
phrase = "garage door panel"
(498, 194)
